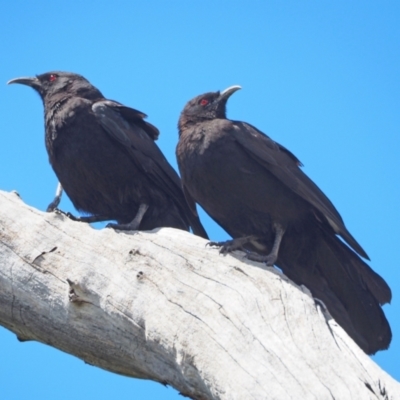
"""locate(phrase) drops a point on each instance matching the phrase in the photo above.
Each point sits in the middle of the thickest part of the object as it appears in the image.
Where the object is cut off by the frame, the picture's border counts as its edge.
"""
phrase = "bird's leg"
(232, 245)
(134, 224)
(53, 205)
(271, 258)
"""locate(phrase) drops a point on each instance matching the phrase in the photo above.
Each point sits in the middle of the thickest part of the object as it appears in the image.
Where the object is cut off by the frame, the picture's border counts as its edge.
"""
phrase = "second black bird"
(255, 189)
(105, 158)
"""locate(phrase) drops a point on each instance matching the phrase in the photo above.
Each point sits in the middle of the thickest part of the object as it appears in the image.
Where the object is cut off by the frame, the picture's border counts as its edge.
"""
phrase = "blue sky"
(321, 78)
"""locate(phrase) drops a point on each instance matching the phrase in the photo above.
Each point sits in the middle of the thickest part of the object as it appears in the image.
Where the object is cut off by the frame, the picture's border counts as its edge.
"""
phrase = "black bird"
(105, 158)
(254, 188)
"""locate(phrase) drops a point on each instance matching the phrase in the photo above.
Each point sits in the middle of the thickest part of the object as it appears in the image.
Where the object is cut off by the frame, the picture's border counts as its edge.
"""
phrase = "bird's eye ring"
(203, 102)
(52, 77)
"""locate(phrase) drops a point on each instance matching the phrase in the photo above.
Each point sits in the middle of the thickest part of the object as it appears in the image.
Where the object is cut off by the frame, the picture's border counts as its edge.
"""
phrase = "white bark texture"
(161, 305)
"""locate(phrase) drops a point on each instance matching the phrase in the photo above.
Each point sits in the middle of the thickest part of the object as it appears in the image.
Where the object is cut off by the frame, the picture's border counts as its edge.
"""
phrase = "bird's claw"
(58, 211)
(121, 227)
(269, 259)
(66, 214)
(214, 244)
(71, 216)
(226, 247)
(52, 207)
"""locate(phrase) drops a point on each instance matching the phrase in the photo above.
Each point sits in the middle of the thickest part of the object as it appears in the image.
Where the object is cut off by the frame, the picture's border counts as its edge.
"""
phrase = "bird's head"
(207, 106)
(57, 84)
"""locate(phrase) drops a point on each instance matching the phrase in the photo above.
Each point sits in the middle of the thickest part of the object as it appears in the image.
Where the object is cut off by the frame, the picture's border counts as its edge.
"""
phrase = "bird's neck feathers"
(188, 121)
(74, 90)
(185, 123)
(193, 115)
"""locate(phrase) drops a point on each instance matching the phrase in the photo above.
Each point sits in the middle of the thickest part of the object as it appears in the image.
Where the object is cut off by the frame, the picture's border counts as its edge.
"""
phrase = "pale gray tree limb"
(161, 305)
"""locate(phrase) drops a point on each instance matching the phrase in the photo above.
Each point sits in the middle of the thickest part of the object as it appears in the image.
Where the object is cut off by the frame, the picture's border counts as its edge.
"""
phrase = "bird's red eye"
(52, 77)
(203, 102)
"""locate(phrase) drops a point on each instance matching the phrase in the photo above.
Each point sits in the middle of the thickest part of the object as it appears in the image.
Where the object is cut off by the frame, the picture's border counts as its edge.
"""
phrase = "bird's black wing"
(127, 126)
(137, 118)
(333, 273)
(286, 167)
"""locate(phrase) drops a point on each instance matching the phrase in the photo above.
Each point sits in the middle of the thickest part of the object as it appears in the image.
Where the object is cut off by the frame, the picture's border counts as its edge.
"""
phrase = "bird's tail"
(197, 227)
(352, 292)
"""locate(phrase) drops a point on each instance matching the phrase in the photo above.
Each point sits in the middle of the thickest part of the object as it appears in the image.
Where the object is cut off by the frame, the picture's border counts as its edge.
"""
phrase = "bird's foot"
(123, 227)
(229, 245)
(91, 219)
(53, 205)
(61, 212)
(224, 247)
(134, 224)
(269, 259)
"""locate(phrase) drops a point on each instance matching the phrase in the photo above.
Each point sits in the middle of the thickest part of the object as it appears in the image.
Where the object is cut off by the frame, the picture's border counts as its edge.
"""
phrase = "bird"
(255, 189)
(106, 160)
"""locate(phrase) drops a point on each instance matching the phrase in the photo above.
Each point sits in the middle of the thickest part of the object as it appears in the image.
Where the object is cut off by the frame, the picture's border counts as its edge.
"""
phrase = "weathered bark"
(161, 305)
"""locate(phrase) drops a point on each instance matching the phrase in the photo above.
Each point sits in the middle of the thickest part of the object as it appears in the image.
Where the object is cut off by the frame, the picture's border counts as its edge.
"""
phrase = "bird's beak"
(32, 82)
(225, 94)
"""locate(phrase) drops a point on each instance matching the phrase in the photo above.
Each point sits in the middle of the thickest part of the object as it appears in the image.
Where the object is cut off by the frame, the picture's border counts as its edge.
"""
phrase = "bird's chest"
(202, 153)
(207, 166)
(68, 129)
